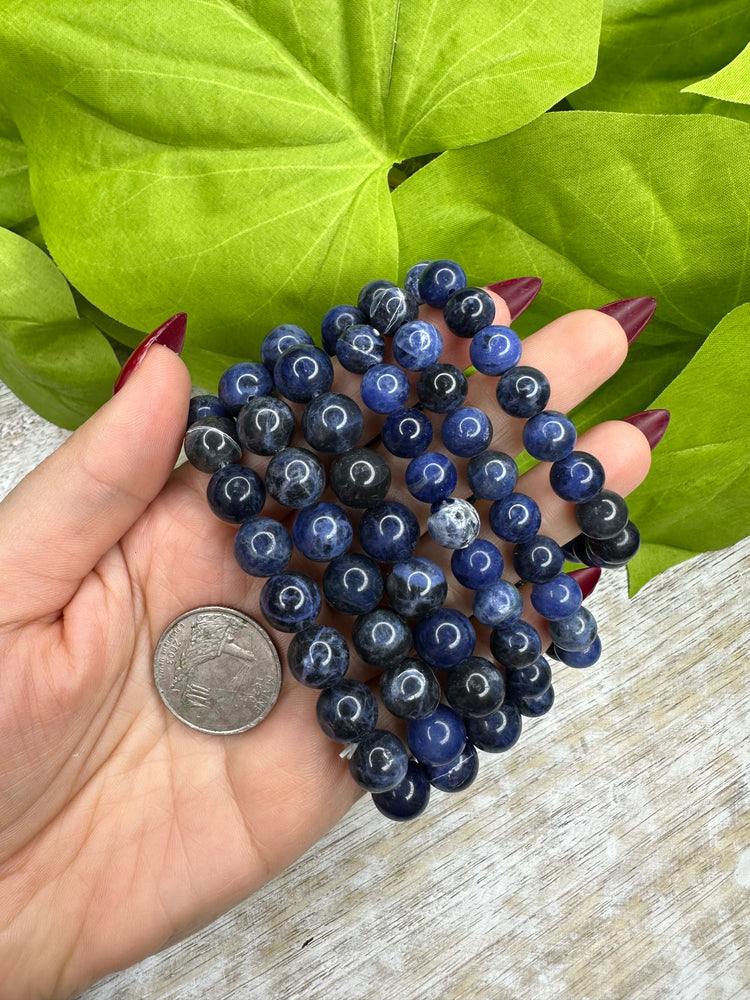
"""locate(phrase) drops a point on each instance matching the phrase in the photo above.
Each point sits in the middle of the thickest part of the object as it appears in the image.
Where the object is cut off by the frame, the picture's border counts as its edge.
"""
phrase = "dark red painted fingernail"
(587, 578)
(171, 333)
(518, 293)
(651, 423)
(631, 314)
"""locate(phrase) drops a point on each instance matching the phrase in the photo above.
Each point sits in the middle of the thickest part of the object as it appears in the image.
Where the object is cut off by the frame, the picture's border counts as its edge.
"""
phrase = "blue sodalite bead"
(416, 586)
(549, 436)
(539, 560)
(359, 348)
(475, 687)
(381, 637)
(579, 657)
(453, 523)
(262, 546)
(431, 476)
(603, 517)
(496, 732)
(360, 478)
(515, 644)
(389, 532)
(410, 689)
(380, 761)
(265, 425)
(416, 345)
(408, 799)
(456, 774)
(290, 601)
(533, 707)
(616, 551)
(523, 391)
(211, 443)
(411, 281)
(243, 381)
(318, 656)
(578, 477)
(295, 477)
(332, 423)
(368, 291)
(575, 550)
(468, 311)
(557, 598)
(322, 531)
(516, 518)
(235, 493)
(384, 388)
(444, 638)
(575, 632)
(442, 387)
(527, 682)
(478, 565)
(353, 583)
(280, 339)
(467, 431)
(390, 308)
(498, 604)
(205, 404)
(492, 475)
(303, 372)
(437, 738)
(439, 280)
(337, 321)
(495, 349)
(346, 710)
(407, 433)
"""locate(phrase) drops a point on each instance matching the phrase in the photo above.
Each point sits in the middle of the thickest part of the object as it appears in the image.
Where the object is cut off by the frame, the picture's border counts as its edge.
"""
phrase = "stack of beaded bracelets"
(396, 596)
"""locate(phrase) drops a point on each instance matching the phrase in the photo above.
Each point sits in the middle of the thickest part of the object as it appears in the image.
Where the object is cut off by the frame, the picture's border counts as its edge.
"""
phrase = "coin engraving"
(217, 670)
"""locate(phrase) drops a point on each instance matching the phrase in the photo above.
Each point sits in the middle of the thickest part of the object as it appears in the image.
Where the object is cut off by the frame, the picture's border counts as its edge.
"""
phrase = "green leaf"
(49, 357)
(697, 494)
(15, 195)
(731, 83)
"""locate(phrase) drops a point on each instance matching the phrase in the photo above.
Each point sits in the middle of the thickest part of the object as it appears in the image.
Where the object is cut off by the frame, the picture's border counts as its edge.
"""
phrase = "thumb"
(61, 519)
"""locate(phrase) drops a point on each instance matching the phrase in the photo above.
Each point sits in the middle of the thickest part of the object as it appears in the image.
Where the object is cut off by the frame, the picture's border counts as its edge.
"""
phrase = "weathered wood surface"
(606, 856)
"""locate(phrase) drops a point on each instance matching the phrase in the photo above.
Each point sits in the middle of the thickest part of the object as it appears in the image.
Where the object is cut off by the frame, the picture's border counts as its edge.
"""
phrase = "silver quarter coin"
(217, 670)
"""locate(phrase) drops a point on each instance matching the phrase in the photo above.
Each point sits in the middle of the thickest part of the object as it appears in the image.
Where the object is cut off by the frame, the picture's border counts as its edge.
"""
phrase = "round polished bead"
(456, 774)
(575, 549)
(235, 493)
(381, 637)
(453, 523)
(549, 436)
(205, 404)
(290, 601)
(360, 478)
(322, 531)
(495, 349)
(616, 551)
(540, 705)
(528, 682)
(416, 587)
(539, 560)
(578, 477)
(359, 348)
(389, 532)
(557, 598)
(498, 604)
(280, 339)
(437, 738)
(408, 799)
(243, 381)
(368, 292)
(303, 372)
(603, 516)
(468, 311)
(579, 657)
(411, 281)
(352, 583)
(442, 387)
(475, 687)
(318, 656)
(337, 321)
(431, 476)
(380, 761)
(515, 644)
(407, 433)
(523, 391)
(439, 280)
(265, 425)
(516, 518)
(575, 632)
(492, 475)
(390, 308)
(295, 477)
(444, 638)
(211, 443)
(467, 431)
(416, 345)
(346, 710)
(262, 546)
(477, 565)
(410, 689)
(496, 732)
(332, 423)
(384, 388)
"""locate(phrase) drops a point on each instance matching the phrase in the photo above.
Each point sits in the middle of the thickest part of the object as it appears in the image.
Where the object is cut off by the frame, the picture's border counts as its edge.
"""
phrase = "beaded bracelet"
(396, 595)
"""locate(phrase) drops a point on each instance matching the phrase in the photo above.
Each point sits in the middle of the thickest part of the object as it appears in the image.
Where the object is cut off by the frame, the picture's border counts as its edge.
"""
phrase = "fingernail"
(518, 293)
(631, 314)
(651, 423)
(171, 333)
(586, 578)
